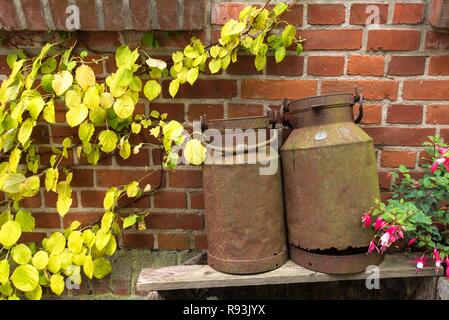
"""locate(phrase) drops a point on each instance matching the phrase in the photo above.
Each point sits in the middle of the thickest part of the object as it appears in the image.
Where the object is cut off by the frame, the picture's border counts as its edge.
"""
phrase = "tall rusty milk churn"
(330, 180)
(244, 210)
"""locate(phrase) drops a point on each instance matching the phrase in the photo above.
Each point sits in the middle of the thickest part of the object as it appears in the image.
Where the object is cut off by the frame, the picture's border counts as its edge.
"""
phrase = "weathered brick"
(184, 221)
(142, 159)
(372, 89)
(348, 39)
(207, 89)
(58, 8)
(408, 13)
(290, 66)
(437, 40)
(243, 66)
(395, 40)
(194, 14)
(170, 199)
(50, 199)
(209, 111)
(439, 17)
(406, 65)
(400, 113)
(362, 14)
(34, 15)
(197, 200)
(222, 12)
(88, 14)
(438, 114)
(372, 113)
(138, 240)
(325, 66)
(87, 218)
(8, 18)
(426, 90)
(114, 177)
(394, 136)
(173, 241)
(185, 179)
(278, 89)
(114, 15)
(439, 65)
(167, 14)
(175, 111)
(140, 14)
(394, 159)
(244, 110)
(366, 65)
(326, 14)
(200, 241)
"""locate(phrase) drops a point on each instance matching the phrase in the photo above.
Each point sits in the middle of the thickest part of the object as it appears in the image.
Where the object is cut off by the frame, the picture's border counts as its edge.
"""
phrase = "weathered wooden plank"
(202, 276)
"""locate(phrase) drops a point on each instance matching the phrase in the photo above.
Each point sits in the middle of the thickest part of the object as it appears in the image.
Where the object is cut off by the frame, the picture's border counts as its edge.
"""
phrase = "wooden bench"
(203, 276)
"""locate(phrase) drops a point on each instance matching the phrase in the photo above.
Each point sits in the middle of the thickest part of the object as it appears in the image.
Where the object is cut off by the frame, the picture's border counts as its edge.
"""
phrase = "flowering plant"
(416, 216)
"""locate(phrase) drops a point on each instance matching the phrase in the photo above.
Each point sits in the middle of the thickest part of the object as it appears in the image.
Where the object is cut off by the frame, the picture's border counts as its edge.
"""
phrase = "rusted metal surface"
(330, 179)
(244, 213)
(335, 264)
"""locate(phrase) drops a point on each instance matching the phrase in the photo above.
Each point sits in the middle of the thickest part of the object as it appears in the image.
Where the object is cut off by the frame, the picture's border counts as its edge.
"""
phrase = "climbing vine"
(104, 115)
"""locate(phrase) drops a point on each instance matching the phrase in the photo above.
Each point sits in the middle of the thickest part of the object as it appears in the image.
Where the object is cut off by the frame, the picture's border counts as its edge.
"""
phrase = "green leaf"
(51, 179)
(136, 84)
(40, 260)
(288, 35)
(62, 82)
(260, 62)
(121, 55)
(88, 267)
(280, 54)
(76, 115)
(299, 49)
(106, 221)
(86, 131)
(102, 239)
(232, 28)
(26, 220)
(108, 140)
(195, 152)
(192, 75)
(35, 294)
(279, 8)
(25, 131)
(25, 278)
(63, 205)
(124, 107)
(152, 89)
(214, 65)
(109, 199)
(85, 77)
(4, 272)
(97, 116)
(21, 254)
(49, 112)
(129, 221)
(177, 56)
(10, 233)
(102, 268)
(35, 106)
(12, 182)
(174, 87)
(57, 284)
(132, 189)
(56, 243)
(47, 82)
(125, 150)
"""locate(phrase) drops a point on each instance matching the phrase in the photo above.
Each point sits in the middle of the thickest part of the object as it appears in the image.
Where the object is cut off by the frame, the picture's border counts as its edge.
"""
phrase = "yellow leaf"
(85, 77)
(62, 82)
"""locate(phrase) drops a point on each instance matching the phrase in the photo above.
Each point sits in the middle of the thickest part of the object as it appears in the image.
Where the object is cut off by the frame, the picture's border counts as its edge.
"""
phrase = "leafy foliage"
(106, 119)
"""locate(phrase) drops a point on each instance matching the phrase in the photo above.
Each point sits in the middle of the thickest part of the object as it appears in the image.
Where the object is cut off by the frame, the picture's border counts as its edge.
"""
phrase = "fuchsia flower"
(411, 241)
(420, 262)
(385, 241)
(366, 219)
(372, 246)
(436, 256)
(379, 224)
(442, 150)
(438, 162)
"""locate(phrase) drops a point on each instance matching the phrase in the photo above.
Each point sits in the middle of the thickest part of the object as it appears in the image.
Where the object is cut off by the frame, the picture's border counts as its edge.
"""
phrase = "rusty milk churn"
(244, 211)
(330, 180)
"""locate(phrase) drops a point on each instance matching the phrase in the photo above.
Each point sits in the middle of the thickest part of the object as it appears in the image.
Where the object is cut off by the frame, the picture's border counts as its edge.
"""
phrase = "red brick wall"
(403, 68)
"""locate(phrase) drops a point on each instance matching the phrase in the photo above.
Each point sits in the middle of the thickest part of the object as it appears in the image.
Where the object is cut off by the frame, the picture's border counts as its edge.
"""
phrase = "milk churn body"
(244, 211)
(330, 180)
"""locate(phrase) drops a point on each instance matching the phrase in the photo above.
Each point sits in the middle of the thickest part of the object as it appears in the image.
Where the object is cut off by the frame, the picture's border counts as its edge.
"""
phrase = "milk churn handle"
(358, 98)
(285, 119)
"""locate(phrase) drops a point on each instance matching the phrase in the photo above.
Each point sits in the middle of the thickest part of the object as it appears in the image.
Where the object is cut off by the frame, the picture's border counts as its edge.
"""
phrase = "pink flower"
(442, 150)
(366, 219)
(437, 163)
(411, 241)
(385, 241)
(420, 262)
(436, 256)
(372, 246)
(379, 224)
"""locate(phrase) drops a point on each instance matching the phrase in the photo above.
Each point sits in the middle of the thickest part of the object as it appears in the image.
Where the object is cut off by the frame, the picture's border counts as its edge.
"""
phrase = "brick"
(142, 159)
(143, 203)
(111, 177)
(365, 65)
(59, 133)
(82, 178)
(8, 18)
(372, 113)
(46, 153)
(223, 12)
(406, 66)
(207, 89)
(50, 199)
(384, 180)
(360, 13)
(175, 111)
(140, 15)
(394, 136)
(35, 237)
(444, 134)
(85, 218)
(278, 89)
(178, 39)
(210, 111)
(92, 198)
(243, 66)
(439, 66)
(437, 114)
(170, 199)
(105, 41)
(197, 200)
(185, 179)
(400, 113)
(32, 202)
(173, 241)
(245, 110)
(47, 220)
(439, 17)
(426, 90)
(294, 15)
(138, 241)
(40, 134)
(325, 66)
(88, 15)
(200, 241)
(167, 14)
(408, 13)
(437, 40)
(348, 39)
(290, 66)
(58, 8)
(372, 89)
(395, 40)
(326, 14)
(114, 15)
(175, 221)
(194, 14)
(34, 15)
(4, 68)
(394, 159)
